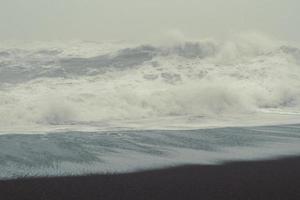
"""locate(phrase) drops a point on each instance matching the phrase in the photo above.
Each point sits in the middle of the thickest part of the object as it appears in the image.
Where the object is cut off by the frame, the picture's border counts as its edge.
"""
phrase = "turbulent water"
(106, 84)
(86, 87)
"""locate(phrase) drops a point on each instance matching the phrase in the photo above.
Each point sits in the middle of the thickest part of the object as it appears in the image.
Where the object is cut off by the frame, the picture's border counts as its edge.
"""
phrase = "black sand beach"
(276, 179)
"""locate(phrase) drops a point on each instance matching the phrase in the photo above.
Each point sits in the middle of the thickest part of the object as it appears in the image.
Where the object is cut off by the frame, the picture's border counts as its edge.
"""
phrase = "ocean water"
(83, 107)
(73, 153)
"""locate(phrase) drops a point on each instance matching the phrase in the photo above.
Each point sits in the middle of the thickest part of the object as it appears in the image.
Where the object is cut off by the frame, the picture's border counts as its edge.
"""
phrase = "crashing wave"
(190, 79)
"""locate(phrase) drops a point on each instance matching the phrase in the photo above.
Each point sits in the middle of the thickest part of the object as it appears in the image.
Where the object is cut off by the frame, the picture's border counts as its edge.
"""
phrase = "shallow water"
(119, 151)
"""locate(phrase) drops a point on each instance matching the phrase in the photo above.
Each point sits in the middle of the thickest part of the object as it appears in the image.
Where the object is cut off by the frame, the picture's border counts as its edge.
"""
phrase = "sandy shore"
(276, 179)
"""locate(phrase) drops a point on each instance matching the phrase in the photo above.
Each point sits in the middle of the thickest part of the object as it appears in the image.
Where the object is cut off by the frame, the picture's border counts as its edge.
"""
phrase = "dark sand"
(278, 179)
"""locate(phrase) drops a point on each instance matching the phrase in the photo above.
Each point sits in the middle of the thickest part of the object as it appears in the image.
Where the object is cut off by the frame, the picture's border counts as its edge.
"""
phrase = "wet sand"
(275, 179)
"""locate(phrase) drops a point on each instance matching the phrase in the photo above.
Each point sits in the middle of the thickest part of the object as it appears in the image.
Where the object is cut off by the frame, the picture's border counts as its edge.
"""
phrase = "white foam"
(193, 85)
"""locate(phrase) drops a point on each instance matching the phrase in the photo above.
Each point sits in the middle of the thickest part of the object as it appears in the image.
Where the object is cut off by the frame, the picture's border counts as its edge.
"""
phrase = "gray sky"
(139, 19)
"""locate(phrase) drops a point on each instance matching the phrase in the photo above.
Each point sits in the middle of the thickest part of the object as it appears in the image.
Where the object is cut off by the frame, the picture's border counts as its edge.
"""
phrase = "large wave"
(100, 83)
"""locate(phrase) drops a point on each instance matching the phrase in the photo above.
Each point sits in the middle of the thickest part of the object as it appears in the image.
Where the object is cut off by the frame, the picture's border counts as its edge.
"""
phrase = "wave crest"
(193, 78)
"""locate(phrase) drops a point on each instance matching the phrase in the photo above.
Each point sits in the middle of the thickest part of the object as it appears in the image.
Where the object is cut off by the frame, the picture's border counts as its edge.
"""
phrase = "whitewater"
(187, 84)
(84, 107)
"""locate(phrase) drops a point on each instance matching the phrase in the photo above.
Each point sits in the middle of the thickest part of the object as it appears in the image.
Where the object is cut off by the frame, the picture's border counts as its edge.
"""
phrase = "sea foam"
(245, 80)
